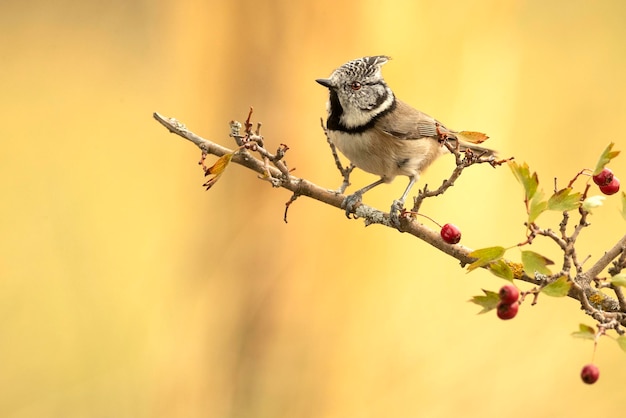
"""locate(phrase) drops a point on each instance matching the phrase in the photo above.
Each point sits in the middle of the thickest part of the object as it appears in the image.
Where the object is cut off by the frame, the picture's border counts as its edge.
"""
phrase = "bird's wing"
(408, 123)
(405, 122)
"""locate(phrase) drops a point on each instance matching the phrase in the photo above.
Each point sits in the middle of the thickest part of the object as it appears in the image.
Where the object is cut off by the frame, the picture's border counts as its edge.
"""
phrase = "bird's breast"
(360, 149)
(384, 155)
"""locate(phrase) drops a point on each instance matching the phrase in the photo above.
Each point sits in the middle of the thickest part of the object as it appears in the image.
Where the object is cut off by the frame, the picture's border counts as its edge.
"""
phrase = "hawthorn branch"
(590, 299)
(303, 187)
(603, 262)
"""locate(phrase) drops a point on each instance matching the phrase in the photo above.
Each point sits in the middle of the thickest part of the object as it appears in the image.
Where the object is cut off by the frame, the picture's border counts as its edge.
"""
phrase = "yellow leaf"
(220, 164)
(473, 137)
(217, 169)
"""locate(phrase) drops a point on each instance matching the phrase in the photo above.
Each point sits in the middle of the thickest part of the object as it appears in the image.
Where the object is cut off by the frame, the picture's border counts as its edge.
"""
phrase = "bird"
(381, 134)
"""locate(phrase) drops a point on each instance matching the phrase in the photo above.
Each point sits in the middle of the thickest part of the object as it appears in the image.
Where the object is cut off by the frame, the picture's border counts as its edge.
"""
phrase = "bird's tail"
(478, 150)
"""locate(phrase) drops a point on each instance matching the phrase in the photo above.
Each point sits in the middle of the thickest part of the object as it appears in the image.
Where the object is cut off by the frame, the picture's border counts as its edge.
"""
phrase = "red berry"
(507, 311)
(604, 177)
(590, 374)
(508, 294)
(451, 234)
(611, 188)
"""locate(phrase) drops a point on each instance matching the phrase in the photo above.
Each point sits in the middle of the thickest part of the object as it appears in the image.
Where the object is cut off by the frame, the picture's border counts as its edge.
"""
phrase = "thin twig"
(463, 160)
(345, 171)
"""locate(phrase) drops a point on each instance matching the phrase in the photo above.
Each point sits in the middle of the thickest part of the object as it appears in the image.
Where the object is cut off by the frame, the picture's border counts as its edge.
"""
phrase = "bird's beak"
(325, 82)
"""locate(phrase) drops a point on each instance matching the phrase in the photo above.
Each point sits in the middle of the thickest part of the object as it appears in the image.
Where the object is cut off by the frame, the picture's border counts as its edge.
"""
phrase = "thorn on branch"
(292, 199)
(247, 123)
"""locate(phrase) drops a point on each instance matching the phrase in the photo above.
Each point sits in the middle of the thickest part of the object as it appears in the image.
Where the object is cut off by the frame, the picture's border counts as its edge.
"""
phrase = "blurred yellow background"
(128, 291)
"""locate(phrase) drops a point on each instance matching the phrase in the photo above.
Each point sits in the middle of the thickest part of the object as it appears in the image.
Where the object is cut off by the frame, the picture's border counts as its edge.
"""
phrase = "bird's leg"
(350, 201)
(398, 205)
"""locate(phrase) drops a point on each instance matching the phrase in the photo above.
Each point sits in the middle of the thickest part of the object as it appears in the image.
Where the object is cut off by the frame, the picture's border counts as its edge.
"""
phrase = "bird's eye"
(355, 85)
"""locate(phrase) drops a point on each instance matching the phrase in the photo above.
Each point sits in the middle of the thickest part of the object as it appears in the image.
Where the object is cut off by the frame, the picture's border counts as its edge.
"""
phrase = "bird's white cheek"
(354, 118)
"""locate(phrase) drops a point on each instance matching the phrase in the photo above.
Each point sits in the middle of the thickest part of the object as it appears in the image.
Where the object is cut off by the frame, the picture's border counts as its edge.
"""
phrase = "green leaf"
(485, 256)
(488, 301)
(529, 181)
(623, 205)
(585, 331)
(619, 280)
(621, 341)
(558, 288)
(564, 200)
(607, 155)
(537, 206)
(534, 262)
(501, 269)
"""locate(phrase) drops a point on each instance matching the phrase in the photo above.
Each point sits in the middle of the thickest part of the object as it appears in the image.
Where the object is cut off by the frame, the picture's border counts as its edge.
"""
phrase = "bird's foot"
(396, 212)
(350, 202)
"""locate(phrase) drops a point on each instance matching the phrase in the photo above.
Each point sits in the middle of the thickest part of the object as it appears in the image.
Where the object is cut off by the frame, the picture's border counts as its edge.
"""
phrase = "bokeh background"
(129, 291)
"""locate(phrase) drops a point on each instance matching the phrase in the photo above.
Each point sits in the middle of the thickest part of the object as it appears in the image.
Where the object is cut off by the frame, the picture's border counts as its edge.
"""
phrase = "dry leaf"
(217, 169)
(473, 137)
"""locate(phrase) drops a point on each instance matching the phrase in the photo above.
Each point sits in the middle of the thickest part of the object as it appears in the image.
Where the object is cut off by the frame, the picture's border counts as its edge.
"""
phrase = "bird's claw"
(350, 202)
(396, 211)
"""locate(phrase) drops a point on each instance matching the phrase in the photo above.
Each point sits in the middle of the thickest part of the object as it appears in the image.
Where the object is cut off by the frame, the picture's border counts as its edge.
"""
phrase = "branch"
(302, 187)
(604, 261)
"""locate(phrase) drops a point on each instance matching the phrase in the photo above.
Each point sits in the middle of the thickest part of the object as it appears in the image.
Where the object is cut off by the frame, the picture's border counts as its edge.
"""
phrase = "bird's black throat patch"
(336, 110)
